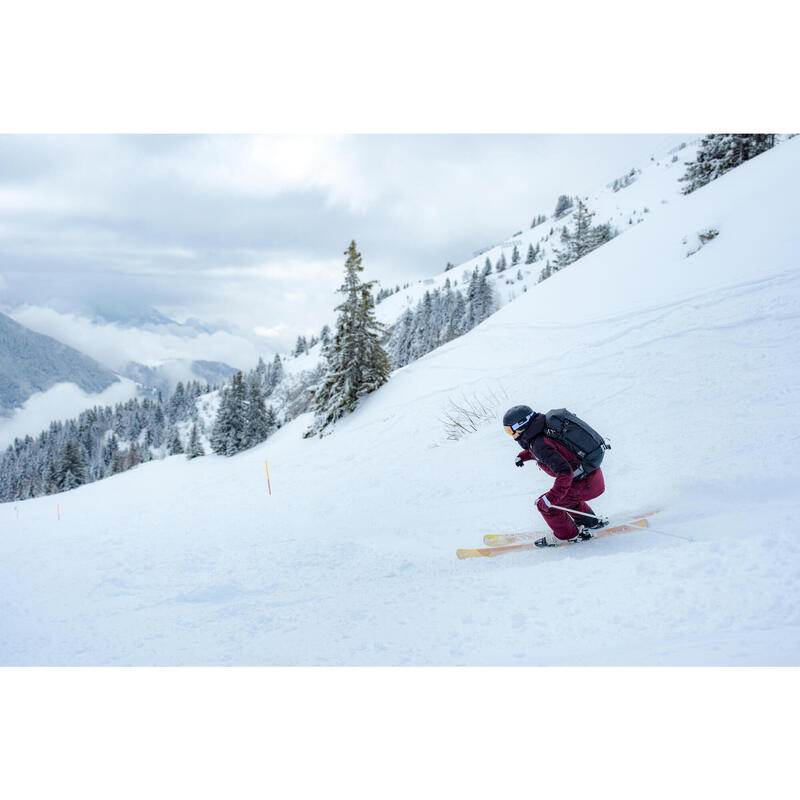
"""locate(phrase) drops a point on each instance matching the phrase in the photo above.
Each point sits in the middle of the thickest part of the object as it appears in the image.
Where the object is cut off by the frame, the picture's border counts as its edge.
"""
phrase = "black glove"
(519, 463)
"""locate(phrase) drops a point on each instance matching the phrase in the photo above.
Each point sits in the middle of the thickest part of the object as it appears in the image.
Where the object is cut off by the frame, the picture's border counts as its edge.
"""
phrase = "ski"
(500, 539)
(491, 552)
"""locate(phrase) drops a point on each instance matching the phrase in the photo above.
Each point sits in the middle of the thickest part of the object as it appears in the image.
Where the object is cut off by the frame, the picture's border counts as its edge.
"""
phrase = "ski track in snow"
(690, 365)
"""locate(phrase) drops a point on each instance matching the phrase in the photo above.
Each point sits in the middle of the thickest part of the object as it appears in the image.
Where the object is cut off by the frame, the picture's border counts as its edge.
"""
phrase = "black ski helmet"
(517, 418)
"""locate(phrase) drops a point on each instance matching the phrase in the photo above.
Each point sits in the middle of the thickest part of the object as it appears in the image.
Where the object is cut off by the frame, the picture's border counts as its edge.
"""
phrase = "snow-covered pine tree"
(583, 239)
(195, 445)
(174, 446)
(228, 433)
(453, 315)
(563, 204)
(706, 163)
(399, 346)
(427, 327)
(355, 361)
(515, 256)
(300, 347)
(72, 469)
(470, 315)
(721, 152)
(580, 240)
(275, 375)
(261, 372)
(530, 258)
(220, 432)
(480, 301)
(272, 421)
(256, 428)
(486, 299)
(600, 234)
(51, 477)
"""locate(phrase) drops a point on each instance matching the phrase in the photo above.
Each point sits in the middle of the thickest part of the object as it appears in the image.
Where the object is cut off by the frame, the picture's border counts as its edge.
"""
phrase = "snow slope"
(689, 365)
(654, 186)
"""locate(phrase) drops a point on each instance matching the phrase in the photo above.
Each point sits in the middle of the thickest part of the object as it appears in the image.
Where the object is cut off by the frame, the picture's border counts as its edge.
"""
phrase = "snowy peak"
(31, 362)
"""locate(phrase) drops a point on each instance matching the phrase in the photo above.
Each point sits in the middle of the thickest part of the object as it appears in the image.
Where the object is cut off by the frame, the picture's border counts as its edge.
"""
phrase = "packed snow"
(685, 356)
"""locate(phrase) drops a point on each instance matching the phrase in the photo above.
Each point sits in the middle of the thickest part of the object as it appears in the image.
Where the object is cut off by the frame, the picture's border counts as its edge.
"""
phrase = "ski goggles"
(511, 432)
(512, 429)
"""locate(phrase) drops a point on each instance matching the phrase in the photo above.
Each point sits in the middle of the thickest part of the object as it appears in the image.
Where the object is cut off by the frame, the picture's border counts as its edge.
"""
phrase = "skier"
(572, 486)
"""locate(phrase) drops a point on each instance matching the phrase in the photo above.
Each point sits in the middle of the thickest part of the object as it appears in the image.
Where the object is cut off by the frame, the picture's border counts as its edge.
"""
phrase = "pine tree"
(538, 220)
(721, 152)
(228, 434)
(580, 240)
(515, 256)
(272, 421)
(399, 346)
(275, 374)
(301, 346)
(356, 363)
(531, 257)
(72, 470)
(195, 445)
(256, 428)
(563, 205)
(583, 239)
(261, 372)
(51, 477)
(501, 263)
(174, 447)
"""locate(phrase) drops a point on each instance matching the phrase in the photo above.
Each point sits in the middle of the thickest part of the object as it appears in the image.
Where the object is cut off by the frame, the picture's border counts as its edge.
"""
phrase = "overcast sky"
(250, 230)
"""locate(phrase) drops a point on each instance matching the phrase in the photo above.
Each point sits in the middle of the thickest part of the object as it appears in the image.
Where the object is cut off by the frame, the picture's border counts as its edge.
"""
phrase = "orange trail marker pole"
(268, 485)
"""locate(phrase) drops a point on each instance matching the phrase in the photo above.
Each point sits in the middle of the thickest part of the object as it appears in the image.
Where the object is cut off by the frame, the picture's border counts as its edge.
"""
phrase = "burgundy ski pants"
(560, 522)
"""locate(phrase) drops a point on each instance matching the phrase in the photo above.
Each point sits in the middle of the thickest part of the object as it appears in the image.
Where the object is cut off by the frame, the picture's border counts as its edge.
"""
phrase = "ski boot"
(589, 524)
(550, 540)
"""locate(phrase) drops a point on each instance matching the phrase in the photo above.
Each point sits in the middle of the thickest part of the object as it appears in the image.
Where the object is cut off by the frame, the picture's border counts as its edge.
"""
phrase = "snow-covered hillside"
(642, 192)
(688, 363)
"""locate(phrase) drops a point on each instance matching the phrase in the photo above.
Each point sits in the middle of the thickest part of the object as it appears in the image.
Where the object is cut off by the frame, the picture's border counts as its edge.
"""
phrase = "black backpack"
(578, 437)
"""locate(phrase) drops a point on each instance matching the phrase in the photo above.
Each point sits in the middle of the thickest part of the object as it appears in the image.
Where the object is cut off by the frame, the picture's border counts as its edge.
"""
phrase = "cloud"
(62, 401)
(252, 229)
(271, 333)
(114, 345)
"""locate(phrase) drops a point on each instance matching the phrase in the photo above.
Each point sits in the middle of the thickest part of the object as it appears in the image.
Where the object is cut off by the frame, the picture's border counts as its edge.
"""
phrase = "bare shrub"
(469, 413)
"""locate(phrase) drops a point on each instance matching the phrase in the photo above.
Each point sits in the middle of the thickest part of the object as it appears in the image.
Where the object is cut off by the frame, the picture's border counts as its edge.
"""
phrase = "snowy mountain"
(31, 362)
(678, 345)
(164, 377)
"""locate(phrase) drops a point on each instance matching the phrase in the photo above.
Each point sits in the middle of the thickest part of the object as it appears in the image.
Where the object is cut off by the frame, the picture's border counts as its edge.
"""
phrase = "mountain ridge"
(32, 362)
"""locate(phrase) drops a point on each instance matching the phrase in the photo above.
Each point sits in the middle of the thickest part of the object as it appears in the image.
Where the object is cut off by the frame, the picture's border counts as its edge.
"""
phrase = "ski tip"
(472, 552)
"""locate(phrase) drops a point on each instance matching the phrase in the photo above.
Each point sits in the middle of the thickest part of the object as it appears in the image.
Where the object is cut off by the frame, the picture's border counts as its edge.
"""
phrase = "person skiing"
(572, 486)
